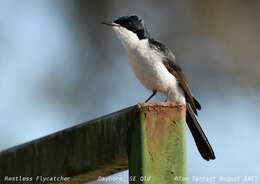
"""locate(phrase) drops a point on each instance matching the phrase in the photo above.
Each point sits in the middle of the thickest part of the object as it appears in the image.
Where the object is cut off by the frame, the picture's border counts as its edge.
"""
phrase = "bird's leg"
(167, 97)
(154, 93)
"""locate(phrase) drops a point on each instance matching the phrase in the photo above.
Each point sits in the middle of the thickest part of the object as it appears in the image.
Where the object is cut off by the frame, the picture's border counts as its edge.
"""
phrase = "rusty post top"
(160, 106)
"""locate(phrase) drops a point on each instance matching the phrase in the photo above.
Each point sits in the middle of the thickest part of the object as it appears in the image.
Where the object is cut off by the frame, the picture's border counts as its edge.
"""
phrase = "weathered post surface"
(147, 139)
(157, 145)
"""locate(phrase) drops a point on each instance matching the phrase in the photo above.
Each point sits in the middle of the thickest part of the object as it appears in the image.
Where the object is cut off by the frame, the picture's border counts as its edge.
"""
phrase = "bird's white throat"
(129, 39)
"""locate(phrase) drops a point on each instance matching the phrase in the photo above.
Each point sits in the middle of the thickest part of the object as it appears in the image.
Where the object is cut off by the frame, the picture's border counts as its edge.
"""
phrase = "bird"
(154, 65)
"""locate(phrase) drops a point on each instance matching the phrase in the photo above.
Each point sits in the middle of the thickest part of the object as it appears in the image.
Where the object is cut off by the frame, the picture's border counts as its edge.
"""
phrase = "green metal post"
(157, 151)
(146, 138)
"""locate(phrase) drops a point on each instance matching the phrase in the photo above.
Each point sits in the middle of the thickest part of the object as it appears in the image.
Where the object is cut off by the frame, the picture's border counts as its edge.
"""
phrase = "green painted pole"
(157, 150)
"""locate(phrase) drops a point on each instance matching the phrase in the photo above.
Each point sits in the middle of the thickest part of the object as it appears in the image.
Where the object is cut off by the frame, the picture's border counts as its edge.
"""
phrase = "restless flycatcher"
(154, 65)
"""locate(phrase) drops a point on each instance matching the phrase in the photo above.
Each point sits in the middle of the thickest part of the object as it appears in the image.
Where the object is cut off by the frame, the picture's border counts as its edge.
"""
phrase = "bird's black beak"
(109, 23)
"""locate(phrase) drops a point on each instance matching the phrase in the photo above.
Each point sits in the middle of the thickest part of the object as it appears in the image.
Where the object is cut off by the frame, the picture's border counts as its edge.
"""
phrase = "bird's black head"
(135, 24)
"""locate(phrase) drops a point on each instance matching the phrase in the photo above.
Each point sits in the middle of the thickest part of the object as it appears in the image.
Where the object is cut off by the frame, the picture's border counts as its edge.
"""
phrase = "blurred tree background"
(59, 66)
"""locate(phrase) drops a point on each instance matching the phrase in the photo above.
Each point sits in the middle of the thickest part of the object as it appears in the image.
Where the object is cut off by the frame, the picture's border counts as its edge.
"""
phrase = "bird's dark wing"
(174, 69)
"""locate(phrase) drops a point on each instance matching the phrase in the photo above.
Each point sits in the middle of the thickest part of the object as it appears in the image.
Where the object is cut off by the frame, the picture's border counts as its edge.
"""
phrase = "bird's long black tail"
(200, 138)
